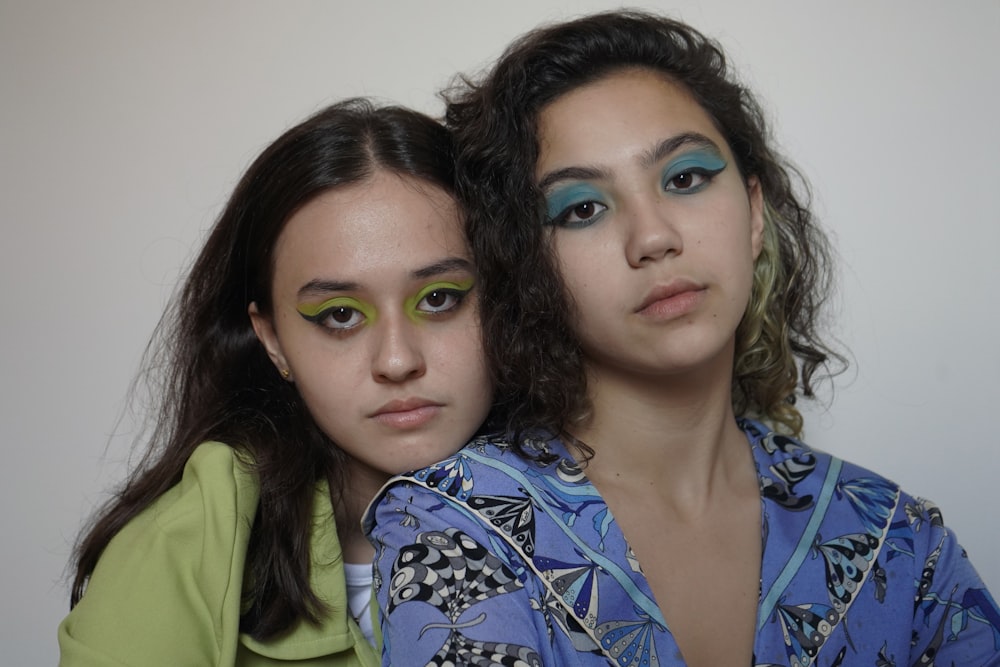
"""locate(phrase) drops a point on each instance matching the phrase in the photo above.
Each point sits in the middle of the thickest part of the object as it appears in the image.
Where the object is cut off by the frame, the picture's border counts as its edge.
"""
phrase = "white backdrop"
(123, 126)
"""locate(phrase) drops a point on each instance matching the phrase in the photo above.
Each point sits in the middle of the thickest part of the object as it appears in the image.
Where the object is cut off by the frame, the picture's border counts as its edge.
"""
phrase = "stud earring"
(285, 373)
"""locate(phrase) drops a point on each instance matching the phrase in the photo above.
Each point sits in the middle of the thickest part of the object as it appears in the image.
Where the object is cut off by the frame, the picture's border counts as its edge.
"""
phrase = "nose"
(652, 234)
(398, 355)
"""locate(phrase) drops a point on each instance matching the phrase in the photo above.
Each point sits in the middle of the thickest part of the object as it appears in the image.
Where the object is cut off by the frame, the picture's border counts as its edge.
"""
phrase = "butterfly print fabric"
(488, 558)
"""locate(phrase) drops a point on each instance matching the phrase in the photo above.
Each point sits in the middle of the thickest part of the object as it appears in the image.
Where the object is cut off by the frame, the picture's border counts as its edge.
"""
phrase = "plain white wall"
(124, 125)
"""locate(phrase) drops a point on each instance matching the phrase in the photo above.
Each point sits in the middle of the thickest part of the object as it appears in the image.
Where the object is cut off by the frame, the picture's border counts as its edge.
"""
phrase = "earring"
(285, 373)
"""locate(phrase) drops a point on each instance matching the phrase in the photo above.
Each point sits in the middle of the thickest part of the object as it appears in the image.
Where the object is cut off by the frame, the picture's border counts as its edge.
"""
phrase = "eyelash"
(706, 176)
(457, 294)
(562, 220)
(324, 318)
(454, 298)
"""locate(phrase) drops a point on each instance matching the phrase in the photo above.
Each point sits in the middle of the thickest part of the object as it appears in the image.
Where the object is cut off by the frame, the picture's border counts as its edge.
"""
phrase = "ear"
(756, 196)
(264, 328)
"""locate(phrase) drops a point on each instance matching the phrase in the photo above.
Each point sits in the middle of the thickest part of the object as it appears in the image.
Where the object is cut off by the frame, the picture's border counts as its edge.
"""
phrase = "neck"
(355, 547)
(361, 485)
(677, 435)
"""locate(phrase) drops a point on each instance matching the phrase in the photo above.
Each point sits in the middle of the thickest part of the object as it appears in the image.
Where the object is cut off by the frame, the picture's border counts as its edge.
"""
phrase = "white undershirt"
(359, 596)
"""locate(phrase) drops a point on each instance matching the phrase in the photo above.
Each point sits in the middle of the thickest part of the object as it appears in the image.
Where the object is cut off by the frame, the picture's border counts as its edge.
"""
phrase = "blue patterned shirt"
(489, 558)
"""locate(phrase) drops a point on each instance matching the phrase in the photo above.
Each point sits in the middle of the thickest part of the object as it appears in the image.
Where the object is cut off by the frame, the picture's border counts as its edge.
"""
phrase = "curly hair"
(213, 378)
(535, 357)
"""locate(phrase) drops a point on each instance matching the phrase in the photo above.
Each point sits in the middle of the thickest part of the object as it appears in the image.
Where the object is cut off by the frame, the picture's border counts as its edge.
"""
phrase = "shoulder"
(487, 465)
(168, 589)
(175, 570)
(796, 476)
(438, 557)
(492, 495)
(841, 498)
(219, 473)
(819, 497)
(214, 502)
(469, 495)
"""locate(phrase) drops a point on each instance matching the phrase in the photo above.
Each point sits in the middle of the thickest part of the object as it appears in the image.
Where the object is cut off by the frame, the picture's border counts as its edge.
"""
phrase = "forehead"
(383, 225)
(617, 116)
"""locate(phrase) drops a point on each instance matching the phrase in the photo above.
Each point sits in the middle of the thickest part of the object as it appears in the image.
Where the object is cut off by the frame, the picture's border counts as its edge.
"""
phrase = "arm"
(446, 590)
(167, 588)
(956, 620)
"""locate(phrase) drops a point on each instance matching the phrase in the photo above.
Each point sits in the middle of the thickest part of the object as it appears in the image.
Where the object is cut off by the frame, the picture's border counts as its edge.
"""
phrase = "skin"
(640, 183)
(375, 321)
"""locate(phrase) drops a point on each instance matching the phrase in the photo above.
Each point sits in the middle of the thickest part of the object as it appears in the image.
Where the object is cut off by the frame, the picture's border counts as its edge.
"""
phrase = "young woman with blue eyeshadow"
(326, 337)
(651, 287)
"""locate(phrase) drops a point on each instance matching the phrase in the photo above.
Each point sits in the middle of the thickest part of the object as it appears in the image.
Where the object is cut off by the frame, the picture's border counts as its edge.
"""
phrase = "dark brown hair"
(212, 377)
(535, 356)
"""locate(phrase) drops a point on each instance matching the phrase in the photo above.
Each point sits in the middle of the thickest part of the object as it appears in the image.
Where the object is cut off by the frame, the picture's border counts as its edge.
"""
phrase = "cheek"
(326, 397)
(575, 268)
(742, 230)
(327, 379)
(460, 355)
(592, 292)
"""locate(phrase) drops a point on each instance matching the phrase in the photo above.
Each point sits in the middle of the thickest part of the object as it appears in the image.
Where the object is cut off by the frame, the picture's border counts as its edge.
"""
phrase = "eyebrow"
(444, 266)
(673, 144)
(319, 286)
(572, 174)
(646, 160)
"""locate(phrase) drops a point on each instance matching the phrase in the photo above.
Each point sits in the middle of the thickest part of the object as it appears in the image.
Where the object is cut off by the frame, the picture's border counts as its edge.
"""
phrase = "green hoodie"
(168, 588)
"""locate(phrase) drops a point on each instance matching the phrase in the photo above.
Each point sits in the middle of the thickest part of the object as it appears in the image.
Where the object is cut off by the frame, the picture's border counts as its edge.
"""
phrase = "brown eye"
(441, 300)
(338, 315)
(580, 215)
(437, 299)
(342, 315)
(688, 182)
(341, 318)
(585, 211)
(682, 181)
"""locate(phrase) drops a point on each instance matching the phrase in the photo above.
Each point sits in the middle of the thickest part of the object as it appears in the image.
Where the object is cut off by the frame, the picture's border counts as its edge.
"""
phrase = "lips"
(671, 299)
(668, 291)
(407, 414)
